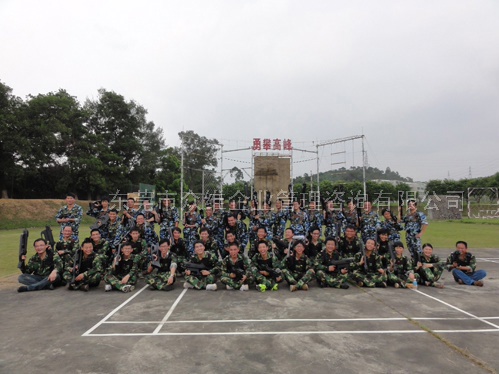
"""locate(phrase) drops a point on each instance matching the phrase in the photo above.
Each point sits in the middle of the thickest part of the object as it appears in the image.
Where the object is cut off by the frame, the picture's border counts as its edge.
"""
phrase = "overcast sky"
(420, 79)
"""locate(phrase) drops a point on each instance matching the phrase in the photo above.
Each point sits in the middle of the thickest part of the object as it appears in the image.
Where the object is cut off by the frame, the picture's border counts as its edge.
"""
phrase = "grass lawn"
(442, 234)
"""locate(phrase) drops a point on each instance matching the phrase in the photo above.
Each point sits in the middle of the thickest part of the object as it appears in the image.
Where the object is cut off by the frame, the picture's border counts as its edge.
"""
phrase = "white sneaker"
(227, 287)
(244, 287)
(211, 287)
(188, 285)
(107, 288)
(126, 288)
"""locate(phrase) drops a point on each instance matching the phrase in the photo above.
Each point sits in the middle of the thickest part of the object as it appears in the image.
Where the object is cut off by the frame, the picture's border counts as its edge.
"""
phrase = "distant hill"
(354, 174)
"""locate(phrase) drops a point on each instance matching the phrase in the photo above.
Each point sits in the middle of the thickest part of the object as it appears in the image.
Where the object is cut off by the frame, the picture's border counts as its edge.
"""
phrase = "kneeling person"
(86, 268)
(236, 270)
(166, 264)
(122, 274)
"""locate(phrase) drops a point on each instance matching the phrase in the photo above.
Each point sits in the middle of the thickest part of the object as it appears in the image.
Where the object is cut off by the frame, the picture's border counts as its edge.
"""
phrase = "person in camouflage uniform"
(265, 268)
(192, 222)
(207, 277)
(401, 269)
(351, 216)
(122, 274)
(101, 246)
(168, 218)
(66, 246)
(100, 211)
(315, 218)
(110, 230)
(90, 268)
(284, 246)
(415, 226)
(350, 244)
(218, 225)
(140, 250)
(298, 220)
(369, 222)
(334, 221)
(280, 219)
(146, 231)
(151, 216)
(179, 249)
(367, 268)
(43, 270)
(314, 244)
(328, 274)
(390, 223)
(209, 244)
(239, 230)
(210, 222)
(462, 264)
(129, 213)
(166, 264)
(70, 215)
(261, 235)
(297, 269)
(385, 247)
(236, 270)
(431, 267)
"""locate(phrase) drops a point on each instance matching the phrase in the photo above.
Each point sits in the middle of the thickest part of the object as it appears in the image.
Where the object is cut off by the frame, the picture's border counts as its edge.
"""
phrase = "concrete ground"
(316, 331)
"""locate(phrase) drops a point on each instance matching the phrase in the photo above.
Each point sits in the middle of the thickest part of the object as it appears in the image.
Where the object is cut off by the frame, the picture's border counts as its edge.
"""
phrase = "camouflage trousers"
(299, 279)
(268, 281)
(430, 275)
(370, 279)
(190, 236)
(92, 281)
(326, 279)
(236, 284)
(159, 281)
(401, 279)
(115, 281)
(413, 245)
(331, 232)
(200, 283)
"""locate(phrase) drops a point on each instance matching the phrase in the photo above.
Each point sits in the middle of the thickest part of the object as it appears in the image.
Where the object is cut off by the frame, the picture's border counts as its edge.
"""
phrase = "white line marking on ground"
(460, 310)
(115, 310)
(293, 332)
(165, 318)
(493, 260)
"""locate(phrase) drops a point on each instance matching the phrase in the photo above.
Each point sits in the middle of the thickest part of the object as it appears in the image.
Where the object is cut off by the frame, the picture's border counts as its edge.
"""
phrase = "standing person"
(280, 218)
(43, 270)
(150, 214)
(110, 230)
(431, 267)
(166, 264)
(298, 219)
(367, 268)
(130, 211)
(122, 275)
(179, 249)
(334, 221)
(369, 222)
(192, 222)
(236, 270)
(463, 266)
(315, 218)
(67, 246)
(314, 244)
(89, 269)
(415, 227)
(351, 216)
(100, 211)
(390, 223)
(239, 230)
(298, 269)
(206, 277)
(70, 215)
(328, 274)
(168, 218)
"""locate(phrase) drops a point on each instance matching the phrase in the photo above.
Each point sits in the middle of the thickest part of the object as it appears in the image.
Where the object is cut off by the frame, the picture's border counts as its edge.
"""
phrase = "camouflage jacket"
(414, 223)
(373, 264)
(124, 267)
(89, 266)
(241, 267)
(241, 233)
(37, 266)
(209, 260)
(272, 262)
(468, 260)
(295, 265)
(75, 213)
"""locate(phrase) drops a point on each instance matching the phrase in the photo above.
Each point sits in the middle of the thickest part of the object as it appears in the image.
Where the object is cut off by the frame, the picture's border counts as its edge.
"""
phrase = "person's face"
(370, 244)
(204, 236)
(147, 204)
(112, 216)
(230, 237)
(412, 206)
(70, 200)
(278, 205)
(312, 205)
(131, 203)
(87, 249)
(40, 247)
(105, 204)
(216, 206)
(315, 235)
(299, 248)
(140, 220)
(330, 205)
(261, 234)
(349, 233)
(209, 212)
(233, 251)
(232, 205)
(263, 248)
(383, 237)
(462, 248)
(231, 221)
(135, 235)
(176, 235)
(67, 232)
(330, 246)
(399, 251)
(351, 205)
(164, 248)
(367, 206)
(95, 236)
(288, 234)
(296, 205)
(266, 207)
(199, 248)
(166, 203)
(387, 215)
(127, 250)
(428, 251)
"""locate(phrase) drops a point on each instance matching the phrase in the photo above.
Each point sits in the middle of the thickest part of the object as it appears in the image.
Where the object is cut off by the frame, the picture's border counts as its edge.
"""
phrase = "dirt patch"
(9, 283)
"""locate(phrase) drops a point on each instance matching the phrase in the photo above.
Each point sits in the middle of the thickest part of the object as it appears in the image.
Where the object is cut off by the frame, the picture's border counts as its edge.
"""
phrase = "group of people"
(277, 245)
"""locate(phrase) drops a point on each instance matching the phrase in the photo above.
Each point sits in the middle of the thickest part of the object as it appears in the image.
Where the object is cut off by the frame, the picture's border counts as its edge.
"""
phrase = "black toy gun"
(341, 264)
(155, 255)
(194, 268)
(274, 273)
(76, 264)
(23, 250)
(363, 251)
(49, 238)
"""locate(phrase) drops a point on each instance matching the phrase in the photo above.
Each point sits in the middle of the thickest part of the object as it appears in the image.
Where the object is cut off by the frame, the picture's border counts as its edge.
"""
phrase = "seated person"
(401, 269)
(328, 273)
(165, 263)
(463, 266)
(88, 270)
(236, 270)
(367, 268)
(431, 267)
(265, 269)
(203, 275)
(122, 275)
(297, 268)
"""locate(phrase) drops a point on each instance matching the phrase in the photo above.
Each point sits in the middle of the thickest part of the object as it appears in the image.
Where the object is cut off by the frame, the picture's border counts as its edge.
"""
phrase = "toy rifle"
(363, 251)
(155, 255)
(23, 250)
(341, 264)
(76, 264)
(194, 268)
(49, 238)
(401, 205)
